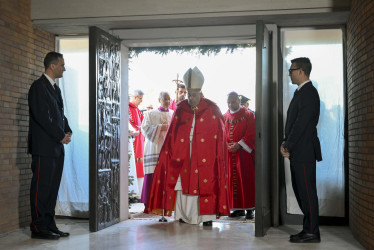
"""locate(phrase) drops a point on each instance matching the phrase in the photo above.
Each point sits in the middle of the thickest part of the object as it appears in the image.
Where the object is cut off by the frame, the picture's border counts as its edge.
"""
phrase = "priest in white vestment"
(154, 127)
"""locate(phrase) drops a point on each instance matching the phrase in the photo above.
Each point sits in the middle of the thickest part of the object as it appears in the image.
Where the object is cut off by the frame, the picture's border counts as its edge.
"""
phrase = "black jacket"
(47, 123)
(301, 137)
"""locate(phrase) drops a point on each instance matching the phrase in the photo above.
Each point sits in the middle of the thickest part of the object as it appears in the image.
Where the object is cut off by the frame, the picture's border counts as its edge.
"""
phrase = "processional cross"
(177, 81)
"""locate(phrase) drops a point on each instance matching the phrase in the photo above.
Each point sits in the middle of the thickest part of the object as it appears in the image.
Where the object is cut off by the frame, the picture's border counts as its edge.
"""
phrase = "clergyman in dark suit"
(302, 146)
(48, 131)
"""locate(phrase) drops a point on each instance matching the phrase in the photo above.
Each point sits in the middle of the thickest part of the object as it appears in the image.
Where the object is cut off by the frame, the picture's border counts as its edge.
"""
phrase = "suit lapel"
(55, 93)
(303, 88)
(298, 92)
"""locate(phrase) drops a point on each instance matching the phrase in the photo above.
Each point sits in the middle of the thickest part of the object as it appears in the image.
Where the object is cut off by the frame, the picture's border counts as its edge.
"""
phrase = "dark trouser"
(45, 182)
(303, 177)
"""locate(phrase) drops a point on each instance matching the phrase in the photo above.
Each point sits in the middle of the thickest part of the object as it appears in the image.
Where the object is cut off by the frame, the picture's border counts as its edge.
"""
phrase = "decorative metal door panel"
(104, 128)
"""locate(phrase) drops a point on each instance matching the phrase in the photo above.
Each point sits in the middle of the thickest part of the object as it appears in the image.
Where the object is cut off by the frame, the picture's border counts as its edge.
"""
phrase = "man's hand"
(67, 138)
(164, 127)
(134, 133)
(233, 147)
(284, 151)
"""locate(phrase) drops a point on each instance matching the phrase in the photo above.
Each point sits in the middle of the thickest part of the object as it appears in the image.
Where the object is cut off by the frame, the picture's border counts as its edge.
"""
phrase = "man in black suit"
(302, 146)
(48, 131)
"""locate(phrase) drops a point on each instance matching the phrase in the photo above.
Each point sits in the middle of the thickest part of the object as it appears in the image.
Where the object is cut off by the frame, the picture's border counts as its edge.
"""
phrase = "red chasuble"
(241, 164)
(136, 118)
(204, 173)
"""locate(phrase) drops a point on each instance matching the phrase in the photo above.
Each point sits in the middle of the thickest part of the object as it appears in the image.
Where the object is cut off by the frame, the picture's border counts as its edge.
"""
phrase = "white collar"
(301, 85)
(50, 80)
(233, 112)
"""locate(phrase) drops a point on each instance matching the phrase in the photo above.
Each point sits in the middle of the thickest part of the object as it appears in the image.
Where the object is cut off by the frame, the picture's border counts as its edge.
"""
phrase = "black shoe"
(208, 223)
(62, 234)
(45, 234)
(294, 236)
(181, 221)
(237, 213)
(163, 219)
(306, 238)
(250, 215)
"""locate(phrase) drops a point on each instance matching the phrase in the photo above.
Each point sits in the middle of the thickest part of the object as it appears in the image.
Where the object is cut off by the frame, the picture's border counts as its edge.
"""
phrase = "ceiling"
(80, 25)
(128, 29)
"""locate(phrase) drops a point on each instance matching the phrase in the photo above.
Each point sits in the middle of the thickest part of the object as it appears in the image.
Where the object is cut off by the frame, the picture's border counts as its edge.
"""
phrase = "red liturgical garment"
(241, 164)
(136, 118)
(204, 173)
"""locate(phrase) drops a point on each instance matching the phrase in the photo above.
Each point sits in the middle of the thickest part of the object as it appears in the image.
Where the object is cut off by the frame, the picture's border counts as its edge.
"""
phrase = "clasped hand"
(67, 138)
(164, 127)
(284, 152)
(233, 147)
(134, 133)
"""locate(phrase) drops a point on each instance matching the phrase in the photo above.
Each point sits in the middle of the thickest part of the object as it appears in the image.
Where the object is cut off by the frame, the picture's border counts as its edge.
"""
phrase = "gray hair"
(137, 92)
(162, 93)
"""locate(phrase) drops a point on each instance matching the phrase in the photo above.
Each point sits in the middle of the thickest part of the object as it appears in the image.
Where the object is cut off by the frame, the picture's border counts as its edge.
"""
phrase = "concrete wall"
(360, 100)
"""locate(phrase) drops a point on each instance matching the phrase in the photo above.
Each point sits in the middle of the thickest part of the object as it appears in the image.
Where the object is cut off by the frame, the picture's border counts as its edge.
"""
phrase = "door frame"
(273, 212)
(296, 219)
(263, 158)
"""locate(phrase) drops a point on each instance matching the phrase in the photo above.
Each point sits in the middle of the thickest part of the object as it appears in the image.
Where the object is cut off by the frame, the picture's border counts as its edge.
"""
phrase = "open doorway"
(169, 85)
(73, 197)
(324, 47)
(224, 71)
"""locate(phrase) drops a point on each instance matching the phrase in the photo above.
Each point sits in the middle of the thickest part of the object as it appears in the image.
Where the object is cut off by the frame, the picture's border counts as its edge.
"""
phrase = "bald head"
(233, 101)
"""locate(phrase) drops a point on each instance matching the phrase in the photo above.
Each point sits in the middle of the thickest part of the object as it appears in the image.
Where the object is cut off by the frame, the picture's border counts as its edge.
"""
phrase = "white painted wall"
(229, 34)
(57, 9)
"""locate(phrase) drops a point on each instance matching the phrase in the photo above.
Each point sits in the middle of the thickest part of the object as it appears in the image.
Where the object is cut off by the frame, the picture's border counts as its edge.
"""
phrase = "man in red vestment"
(240, 134)
(180, 94)
(191, 176)
(135, 120)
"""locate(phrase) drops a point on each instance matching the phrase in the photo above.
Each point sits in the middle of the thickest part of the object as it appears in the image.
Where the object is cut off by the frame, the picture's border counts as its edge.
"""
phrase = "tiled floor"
(148, 233)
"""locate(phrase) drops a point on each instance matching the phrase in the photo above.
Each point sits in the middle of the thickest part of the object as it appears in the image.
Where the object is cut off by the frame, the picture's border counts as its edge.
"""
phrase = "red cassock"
(204, 173)
(241, 164)
(136, 118)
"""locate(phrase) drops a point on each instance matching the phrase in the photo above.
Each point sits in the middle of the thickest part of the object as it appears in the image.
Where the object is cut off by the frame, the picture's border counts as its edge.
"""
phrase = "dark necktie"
(57, 89)
(58, 92)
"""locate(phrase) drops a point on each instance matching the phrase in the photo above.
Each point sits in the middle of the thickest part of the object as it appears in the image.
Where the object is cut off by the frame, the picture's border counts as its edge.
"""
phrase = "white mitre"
(193, 79)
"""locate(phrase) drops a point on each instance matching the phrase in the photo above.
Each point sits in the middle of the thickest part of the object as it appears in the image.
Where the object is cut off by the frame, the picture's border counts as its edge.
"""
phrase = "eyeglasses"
(290, 70)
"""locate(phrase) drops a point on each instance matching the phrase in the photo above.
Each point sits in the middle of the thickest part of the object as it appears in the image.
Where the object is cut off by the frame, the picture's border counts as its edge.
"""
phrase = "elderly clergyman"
(154, 127)
(135, 121)
(191, 173)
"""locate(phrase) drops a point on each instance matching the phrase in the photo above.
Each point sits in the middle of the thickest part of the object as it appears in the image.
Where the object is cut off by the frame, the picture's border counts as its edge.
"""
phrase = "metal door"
(104, 128)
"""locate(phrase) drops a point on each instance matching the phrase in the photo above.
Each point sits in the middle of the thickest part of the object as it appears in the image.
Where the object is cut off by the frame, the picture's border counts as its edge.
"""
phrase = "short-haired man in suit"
(48, 131)
(302, 146)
